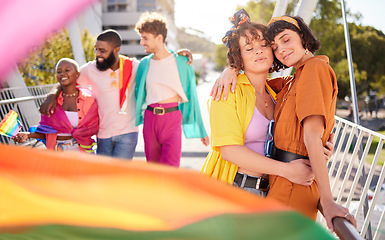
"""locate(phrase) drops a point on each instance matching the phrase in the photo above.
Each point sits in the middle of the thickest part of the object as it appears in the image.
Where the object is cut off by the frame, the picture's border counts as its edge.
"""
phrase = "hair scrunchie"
(238, 19)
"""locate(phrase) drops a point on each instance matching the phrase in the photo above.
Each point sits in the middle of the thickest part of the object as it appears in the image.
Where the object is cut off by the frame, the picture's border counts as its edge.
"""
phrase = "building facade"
(122, 15)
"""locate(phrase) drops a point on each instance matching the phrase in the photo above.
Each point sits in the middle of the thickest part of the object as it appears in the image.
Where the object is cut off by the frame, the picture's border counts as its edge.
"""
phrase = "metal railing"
(9, 101)
(345, 230)
(355, 183)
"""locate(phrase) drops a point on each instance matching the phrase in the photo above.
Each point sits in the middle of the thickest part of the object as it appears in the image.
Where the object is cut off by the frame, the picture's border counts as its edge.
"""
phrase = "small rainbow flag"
(10, 125)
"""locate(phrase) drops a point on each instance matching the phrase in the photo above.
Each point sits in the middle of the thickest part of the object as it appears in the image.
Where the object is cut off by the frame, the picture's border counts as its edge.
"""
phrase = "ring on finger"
(219, 85)
(347, 214)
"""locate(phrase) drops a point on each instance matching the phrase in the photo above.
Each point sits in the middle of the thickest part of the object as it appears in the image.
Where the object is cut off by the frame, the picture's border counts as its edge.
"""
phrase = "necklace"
(265, 100)
(69, 95)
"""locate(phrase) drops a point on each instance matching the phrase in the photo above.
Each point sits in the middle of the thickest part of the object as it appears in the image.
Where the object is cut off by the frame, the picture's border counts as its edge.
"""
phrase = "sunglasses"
(269, 143)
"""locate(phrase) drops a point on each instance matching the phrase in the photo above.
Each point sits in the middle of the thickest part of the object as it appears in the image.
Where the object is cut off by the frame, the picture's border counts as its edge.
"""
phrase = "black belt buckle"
(259, 183)
(159, 111)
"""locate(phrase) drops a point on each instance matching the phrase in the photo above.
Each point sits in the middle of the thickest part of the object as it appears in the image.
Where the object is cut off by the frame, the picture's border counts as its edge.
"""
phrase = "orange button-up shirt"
(312, 91)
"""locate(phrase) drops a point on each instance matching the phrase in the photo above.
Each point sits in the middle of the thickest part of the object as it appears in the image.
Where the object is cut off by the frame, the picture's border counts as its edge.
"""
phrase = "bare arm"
(23, 136)
(297, 171)
(205, 141)
(49, 104)
(227, 77)
(313, 131)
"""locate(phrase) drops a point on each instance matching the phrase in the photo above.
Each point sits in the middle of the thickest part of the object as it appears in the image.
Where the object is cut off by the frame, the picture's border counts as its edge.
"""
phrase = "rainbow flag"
(125, 71)
(70, 195)
(33, 25)
(10, 125)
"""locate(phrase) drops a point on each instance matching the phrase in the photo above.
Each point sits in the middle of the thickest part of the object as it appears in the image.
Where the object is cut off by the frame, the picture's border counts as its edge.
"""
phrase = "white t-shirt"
(105, 87)
(163, 81)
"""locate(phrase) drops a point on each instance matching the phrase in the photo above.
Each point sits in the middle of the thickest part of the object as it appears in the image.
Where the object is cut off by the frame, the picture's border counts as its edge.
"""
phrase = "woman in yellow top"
(239, 125)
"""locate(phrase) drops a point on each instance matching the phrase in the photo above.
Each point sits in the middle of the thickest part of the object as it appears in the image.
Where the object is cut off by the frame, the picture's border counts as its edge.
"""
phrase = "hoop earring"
(306, 51)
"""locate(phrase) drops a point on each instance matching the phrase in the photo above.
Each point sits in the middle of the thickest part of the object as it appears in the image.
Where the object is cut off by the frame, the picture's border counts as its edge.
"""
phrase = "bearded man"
(111, 77)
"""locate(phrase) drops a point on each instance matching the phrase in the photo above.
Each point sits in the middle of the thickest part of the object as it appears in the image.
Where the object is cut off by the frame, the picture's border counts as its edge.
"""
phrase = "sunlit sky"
(212, 16)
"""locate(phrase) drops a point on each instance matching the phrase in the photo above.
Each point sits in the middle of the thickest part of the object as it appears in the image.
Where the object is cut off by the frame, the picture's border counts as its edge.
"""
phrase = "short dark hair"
(309, 41)
(234, 56)
(111, 36)
(153, 23)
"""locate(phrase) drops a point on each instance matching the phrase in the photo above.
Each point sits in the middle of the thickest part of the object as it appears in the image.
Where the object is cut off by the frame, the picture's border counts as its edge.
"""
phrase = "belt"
(61, 143)
(162, 111)
(261, 183)
(285, 156)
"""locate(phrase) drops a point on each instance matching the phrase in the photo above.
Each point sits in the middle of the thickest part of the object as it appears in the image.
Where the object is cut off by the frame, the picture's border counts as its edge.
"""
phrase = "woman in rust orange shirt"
(304, 116)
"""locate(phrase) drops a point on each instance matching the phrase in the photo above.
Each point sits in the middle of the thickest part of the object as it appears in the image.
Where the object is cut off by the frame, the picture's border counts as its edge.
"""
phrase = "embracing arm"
(49, 104)
(227, 77)
(313, 131)
(21, 137)
(186, 52)
(297, 171)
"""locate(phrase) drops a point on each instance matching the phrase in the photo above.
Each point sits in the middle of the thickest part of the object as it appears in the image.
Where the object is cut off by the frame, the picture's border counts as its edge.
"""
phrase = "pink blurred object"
(27, 23)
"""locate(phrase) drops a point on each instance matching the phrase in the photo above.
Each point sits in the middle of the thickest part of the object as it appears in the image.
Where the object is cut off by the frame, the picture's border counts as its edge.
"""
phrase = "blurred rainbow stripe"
(10, 125)
(32, 21)
(69, 195)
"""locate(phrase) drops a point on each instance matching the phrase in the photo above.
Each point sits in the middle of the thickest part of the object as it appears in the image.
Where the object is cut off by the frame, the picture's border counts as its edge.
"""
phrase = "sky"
(213, 16)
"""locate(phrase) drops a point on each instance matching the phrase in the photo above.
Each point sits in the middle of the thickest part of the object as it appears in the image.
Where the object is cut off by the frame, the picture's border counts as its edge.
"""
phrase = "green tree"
(220, 57)
(342, 71)
(368, 49)
(367, 44)
(259, 11)
(39, 67)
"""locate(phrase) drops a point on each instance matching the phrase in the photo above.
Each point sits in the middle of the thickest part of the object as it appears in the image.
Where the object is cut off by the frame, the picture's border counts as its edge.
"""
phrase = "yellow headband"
(286, 19)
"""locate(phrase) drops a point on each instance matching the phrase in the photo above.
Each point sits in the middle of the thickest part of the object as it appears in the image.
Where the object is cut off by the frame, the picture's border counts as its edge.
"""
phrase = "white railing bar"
(379, 135)
(337, 131)
(339, 146)
(21, 99)
(359, 171)
(377, 232)
(368, 180)
(47, 86)
(342, 162)
(350, 166)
